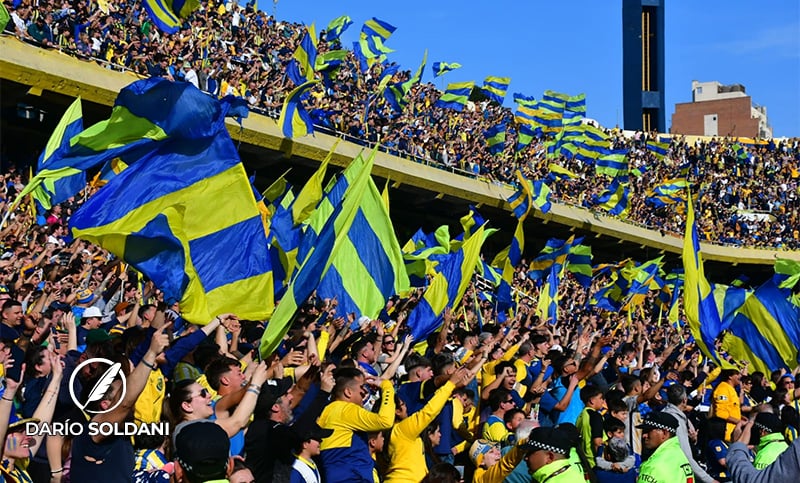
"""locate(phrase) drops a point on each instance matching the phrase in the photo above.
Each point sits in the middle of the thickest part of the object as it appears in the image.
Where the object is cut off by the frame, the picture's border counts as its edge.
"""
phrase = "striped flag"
(455, 96)
(495, 88)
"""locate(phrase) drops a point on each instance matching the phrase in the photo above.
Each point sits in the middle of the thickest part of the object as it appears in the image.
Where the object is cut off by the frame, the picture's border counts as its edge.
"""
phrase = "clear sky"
(576, 46)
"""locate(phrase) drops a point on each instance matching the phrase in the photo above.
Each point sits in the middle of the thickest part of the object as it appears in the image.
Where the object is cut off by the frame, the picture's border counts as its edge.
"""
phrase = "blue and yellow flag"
(614, 199)
(496, 138)
(525, 135)
(495, 88)
(765, 330)
(396, 94)
(669, 192)
(529, 194)
(374, 34)
(442, 68)
(169, 231)
(555, 252)
(447, 287)
(368, 267)
(318, 259)
(294, 120)
(51, 187)
(659, 149)
(455, 96)
(576, 104)
(547, 308)
(701, 311)
(306, 55)
(613, 164)
(168, 15)
(137, 126)
(337, 27)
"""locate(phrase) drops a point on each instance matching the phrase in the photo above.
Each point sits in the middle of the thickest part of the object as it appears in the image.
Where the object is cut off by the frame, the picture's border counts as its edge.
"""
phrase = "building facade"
(720, 110)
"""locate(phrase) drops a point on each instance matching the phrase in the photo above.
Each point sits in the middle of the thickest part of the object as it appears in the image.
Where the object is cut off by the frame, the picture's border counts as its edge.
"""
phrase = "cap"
(60, 306)
(479, 448)
(121, 307)
(201, 448)
(92, 312)
(555, 440)
(84, 296)
(769, 422)
(660, 420)
(315, 432)
(97, 335)
(15, 423)
(270, 392)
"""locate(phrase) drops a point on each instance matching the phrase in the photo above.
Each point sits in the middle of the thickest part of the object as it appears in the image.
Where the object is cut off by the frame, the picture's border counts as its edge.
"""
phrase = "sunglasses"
(203, 394)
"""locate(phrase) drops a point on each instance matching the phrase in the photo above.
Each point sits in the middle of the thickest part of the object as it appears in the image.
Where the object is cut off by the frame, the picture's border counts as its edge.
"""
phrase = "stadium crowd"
(229, 49)
(598, 396)
(593, 395)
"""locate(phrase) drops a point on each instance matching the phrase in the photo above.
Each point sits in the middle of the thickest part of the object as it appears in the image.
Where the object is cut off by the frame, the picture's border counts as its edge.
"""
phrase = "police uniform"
(556, 441)
(668, 464)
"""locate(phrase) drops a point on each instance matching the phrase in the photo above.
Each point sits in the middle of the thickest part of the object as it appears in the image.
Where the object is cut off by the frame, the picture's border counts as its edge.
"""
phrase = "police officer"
(547, 457)
(771, 442)
(668, 463)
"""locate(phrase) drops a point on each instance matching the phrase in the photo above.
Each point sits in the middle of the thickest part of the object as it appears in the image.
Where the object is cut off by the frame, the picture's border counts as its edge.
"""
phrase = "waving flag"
(525, 135)
(395, 94)
(455, 96)
(496, 138)
(337, 27)
(614, 199)
(702, 315)
(576, 104)
(659, 149)
(294, 119)
(495, 88)
(169, 231)
(168, 15)
(51, 187)
(374, 34)
(447, 287)
(441, 68)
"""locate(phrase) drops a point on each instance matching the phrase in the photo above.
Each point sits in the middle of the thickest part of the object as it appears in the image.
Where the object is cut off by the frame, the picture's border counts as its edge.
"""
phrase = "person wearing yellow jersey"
(406, 449)
(725, 401)
(345, 454)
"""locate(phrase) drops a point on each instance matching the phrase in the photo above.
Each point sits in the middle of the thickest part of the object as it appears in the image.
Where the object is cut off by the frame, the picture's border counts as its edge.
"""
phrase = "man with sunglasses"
(668, 463)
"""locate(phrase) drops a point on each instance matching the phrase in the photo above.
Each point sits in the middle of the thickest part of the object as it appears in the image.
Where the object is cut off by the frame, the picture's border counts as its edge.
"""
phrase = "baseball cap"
(769, 422)
(479, 448)
(314, 432)
(271, 390)
(201, 448)
(660, 420)
(548, 439)
(92, 312)
(97, 335)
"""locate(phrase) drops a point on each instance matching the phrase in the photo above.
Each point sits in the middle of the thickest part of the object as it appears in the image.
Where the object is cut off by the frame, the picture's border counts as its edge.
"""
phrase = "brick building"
(718, 110)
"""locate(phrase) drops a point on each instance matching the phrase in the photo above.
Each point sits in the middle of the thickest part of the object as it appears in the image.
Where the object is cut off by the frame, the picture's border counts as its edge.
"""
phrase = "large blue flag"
(168, 230)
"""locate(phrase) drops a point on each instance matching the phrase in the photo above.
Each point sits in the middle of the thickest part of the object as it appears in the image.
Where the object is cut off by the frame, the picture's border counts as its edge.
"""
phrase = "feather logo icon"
(101, 386)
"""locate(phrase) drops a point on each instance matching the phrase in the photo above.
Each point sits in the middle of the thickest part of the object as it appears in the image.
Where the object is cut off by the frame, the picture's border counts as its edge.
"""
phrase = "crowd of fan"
(230, 49)
(594, 396)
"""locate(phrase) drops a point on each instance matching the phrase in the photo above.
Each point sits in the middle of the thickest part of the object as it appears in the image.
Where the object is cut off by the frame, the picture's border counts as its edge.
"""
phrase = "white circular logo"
(101, 387)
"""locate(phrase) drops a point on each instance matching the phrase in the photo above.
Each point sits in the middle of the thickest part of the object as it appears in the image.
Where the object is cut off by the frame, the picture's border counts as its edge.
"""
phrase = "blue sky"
(576, 46)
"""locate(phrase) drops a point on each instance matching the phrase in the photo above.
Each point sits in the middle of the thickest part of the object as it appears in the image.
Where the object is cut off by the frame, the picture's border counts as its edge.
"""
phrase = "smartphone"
(14, 372)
